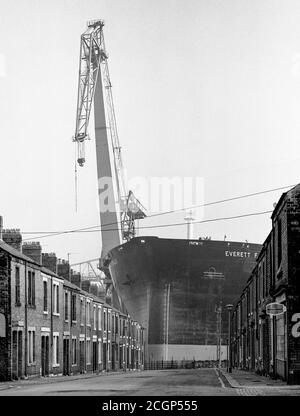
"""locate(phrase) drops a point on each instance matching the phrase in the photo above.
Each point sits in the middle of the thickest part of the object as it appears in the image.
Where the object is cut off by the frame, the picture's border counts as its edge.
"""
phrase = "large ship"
(175, 287)
(172, 287)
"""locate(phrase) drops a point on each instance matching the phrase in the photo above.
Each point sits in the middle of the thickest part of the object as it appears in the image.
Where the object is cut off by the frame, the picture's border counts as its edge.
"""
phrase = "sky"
(202, 89)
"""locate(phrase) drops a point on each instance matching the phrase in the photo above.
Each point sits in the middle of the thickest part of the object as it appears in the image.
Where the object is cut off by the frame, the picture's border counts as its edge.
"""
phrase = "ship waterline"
(173, 287)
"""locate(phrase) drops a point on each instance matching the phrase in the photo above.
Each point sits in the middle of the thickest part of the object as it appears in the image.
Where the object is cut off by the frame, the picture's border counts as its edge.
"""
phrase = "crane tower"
(118, 207)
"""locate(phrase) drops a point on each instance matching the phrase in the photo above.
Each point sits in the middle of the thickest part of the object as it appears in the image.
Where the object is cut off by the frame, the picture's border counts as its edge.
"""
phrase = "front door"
(45, 355)
(15, 355)
(20, 354)
(113, 356)
(104, 356)
(81, 352)
(66, 355)
(95, 358)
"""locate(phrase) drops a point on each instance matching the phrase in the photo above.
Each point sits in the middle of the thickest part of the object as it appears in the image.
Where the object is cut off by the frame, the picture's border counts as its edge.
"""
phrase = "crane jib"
(94, 79)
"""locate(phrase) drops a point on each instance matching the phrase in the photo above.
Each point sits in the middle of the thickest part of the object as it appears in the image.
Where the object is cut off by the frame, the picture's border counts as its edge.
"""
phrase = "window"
(55, 298)
(73, 308)
(81, 311)
(99, 317)
(279, 243)
(31, 288)
(117, 324)
(104, 320)
(95, 317)
(66, 306)
(74, 350)
(45, 297)
(55, 350)
(17, 289)
(88, 351)
(109, 321)
(88, 312)
(31, 346)
(113, 323)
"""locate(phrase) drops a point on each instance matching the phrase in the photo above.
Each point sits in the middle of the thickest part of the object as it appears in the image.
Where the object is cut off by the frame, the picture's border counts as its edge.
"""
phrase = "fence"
(181, 364)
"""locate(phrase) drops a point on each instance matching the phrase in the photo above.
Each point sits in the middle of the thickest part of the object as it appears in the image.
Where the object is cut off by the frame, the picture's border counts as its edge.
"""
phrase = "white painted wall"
(186, 352)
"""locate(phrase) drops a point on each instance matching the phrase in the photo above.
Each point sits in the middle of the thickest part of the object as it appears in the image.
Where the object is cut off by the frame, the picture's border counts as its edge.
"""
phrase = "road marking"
(220, 380)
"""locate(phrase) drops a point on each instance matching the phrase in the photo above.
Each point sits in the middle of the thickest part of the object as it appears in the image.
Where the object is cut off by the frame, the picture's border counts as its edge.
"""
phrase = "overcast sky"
(201, 89)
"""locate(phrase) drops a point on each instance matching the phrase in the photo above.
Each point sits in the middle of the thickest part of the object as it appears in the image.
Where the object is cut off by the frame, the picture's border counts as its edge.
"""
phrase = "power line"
(223, 200)
(54, 233)
(169, 225)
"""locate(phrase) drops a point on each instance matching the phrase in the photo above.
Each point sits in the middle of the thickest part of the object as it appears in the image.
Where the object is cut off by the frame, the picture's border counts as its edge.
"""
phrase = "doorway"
(17, 354)
(66, 357)
(81, 353)
(104, 355)
(95, 358)
(45, 355)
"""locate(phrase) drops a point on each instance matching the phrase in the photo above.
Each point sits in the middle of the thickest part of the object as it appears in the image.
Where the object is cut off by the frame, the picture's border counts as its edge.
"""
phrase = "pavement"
(53, 379)
(251, 384)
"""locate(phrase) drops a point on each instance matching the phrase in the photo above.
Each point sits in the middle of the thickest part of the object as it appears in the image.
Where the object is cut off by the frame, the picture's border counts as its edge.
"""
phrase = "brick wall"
(293, 233)
(5, 311)
(277, 280)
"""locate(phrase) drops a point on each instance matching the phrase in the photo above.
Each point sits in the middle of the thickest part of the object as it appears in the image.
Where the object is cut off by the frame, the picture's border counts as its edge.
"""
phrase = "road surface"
(195, 382)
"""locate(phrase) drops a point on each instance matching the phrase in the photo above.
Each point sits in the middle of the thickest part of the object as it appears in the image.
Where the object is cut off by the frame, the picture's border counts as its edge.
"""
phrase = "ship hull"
(173, 287)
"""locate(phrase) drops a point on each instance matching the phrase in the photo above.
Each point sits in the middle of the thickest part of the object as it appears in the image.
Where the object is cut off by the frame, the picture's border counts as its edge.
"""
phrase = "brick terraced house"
(270, 344)
(51, 326)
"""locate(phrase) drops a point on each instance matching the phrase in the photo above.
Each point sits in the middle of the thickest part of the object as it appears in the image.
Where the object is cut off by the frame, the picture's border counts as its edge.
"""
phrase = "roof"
(50, 272)
(19, 255)
(288, 194)
(15, 253)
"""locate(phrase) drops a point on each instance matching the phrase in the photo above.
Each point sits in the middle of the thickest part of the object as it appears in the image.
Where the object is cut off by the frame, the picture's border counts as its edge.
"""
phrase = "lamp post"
(229, 307)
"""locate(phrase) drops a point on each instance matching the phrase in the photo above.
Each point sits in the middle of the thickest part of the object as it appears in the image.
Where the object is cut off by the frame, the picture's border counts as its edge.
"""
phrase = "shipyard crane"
(119, 208)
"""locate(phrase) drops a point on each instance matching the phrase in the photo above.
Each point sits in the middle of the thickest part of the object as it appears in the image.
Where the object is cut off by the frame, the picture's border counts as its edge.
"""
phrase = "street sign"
(275, 308)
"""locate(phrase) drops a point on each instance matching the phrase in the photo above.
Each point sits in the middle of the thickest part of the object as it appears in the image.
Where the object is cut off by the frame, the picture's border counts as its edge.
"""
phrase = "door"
(95, 358)
(120, 357)
(66, 356)
(20, 354)
(81, 352)
(15, 355)
(45, 355)
(104, 355)
(113, 356)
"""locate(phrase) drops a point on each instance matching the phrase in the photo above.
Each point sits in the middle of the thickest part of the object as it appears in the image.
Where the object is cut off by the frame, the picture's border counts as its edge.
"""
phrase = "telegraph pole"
(219, 334)
(229, 307)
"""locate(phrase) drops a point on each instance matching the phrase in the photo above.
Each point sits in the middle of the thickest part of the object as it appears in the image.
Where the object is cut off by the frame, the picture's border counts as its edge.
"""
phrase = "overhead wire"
(92, 228)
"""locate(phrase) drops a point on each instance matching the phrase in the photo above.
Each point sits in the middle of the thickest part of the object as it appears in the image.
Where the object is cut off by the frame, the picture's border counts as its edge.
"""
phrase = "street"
(197, 382)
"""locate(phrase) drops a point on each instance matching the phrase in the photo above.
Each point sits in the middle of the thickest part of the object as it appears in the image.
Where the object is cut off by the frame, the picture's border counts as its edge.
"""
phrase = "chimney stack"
(49, 260)
(33, 249)
(13, 237)
(63, 269)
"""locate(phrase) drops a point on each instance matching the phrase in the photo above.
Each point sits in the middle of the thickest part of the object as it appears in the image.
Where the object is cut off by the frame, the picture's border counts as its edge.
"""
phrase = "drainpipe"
(26, 323)
(51, 326)
(8, 315)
